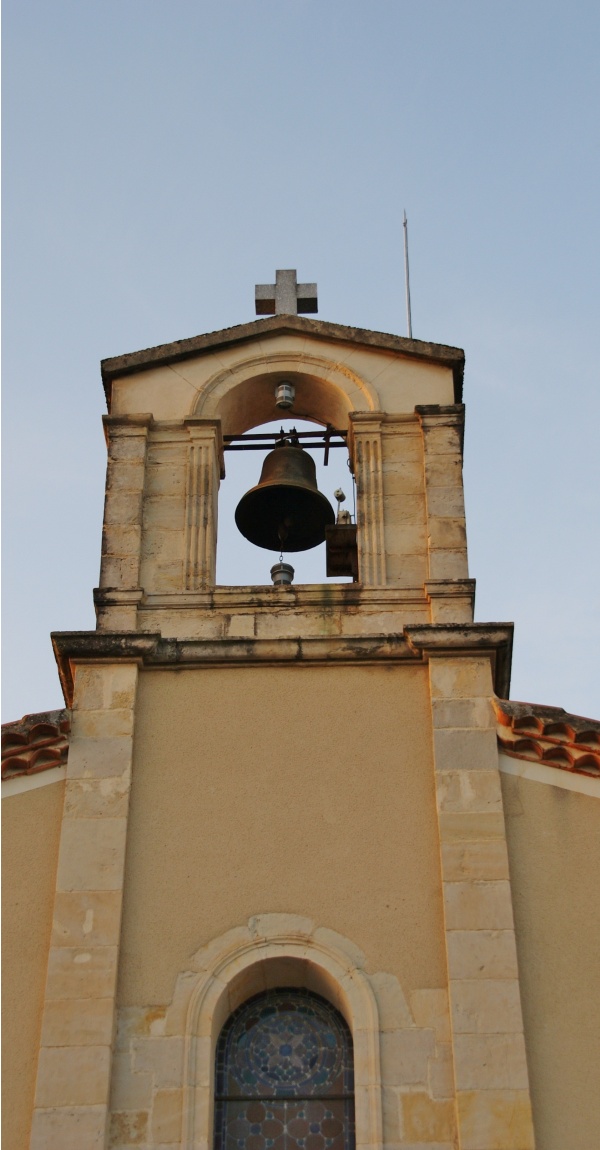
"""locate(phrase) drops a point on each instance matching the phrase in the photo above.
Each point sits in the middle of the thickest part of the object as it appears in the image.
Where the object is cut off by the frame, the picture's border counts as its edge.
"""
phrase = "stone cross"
(286, 296)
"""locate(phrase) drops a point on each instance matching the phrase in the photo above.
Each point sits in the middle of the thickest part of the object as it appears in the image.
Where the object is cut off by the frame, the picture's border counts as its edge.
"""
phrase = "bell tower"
(287, 786)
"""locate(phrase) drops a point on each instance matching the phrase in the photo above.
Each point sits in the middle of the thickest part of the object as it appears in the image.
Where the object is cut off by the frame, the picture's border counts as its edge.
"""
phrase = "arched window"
(284, 1076)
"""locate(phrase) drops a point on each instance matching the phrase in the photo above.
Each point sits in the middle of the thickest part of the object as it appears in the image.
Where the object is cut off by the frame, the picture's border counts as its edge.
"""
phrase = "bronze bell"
(285, 511)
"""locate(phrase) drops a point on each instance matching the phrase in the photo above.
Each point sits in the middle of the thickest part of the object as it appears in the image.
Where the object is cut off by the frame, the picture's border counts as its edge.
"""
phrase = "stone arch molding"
(275, 950)
(163, 1071)
(242, 396)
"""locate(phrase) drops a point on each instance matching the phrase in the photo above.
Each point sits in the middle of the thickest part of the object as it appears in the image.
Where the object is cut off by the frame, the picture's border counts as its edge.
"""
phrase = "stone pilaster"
(450, 592)
(73, 1079)
(364, 442)
(492, 1090)
(202, 489)
(127, 438)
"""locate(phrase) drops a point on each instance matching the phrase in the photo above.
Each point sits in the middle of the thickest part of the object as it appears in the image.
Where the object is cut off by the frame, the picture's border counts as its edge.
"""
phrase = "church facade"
(290, 870)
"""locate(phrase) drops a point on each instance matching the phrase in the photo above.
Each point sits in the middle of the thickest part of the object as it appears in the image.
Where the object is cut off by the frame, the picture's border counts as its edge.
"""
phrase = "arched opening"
(284, 1075)
(239, 562)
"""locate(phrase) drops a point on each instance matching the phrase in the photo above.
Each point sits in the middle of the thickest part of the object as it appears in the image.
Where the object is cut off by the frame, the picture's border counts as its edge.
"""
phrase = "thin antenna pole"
(407, 278)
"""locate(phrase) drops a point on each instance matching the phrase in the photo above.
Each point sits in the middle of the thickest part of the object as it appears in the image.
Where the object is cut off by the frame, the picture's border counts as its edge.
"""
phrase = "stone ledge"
(151, 650)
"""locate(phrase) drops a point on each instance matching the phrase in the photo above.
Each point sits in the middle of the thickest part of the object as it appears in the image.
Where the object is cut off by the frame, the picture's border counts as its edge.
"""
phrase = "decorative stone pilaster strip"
(73, 1078)
(204, 469)
(364, 443)
(126, 438)
(490, 1067)
(442, 428)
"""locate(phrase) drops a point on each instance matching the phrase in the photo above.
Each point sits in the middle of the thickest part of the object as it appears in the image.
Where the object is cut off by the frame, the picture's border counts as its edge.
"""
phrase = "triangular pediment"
(178, 350)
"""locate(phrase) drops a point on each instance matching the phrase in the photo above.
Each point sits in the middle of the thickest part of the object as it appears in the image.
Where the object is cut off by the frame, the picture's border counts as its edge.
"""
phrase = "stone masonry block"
(446, 501)
(461, 750)
(119, 572)
(461, 827)
(73, 1076)
(495, 1120)
(71, 1129)
(460, 678)
(78, 1022)
(103, 688)
(443, 471)
(475, 860)
(127, 448)
(490, 1062)
(431, 1009)
(86, 918)
(80, 973)
(128, 1128)
(446, 532)
(123, 509)
(127, 475)
(92, 854)
(405, 1056)
(163, 1057)
(405, 538)
(115, 723)
(487, 1006)
(466, 792)
(390, 1099)
(481, 954)
(99, 758)
(394, 1013)
(441, 1072)
(448, 564)
(426, 1120)
(463, 713)
(135, 1022)
(164, 512)
(478, 905)
(129, 1091)
(442, 440)
(121, 541)
(96, 798)
(167, 1110)
(167, 480)
(404, 509)
(402, 477)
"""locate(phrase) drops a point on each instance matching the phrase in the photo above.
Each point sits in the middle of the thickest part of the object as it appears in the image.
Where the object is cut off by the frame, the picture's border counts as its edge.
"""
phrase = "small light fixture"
(282, 574)
(285, 394)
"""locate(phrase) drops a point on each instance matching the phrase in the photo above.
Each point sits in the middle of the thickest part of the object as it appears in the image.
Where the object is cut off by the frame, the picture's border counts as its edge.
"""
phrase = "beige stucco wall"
(281, 789)
(554, 848)
(30, 837)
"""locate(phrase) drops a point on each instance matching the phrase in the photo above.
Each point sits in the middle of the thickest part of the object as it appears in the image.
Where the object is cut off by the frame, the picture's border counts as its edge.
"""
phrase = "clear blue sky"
(160, 159)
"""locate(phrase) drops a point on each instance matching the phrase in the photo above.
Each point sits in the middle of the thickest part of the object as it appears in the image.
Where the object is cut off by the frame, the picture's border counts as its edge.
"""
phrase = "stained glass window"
(284, 1076)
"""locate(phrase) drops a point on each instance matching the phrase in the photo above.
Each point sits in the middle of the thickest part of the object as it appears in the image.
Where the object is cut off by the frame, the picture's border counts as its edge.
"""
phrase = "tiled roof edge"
(35, 743)
(549, 735)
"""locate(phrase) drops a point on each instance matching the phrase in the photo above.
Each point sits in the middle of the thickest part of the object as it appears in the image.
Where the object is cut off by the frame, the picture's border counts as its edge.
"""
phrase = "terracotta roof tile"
(549, 735)
(35, 743)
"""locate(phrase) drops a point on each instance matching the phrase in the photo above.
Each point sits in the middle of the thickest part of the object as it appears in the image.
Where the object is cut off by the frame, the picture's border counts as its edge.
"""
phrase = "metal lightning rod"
(407, 278)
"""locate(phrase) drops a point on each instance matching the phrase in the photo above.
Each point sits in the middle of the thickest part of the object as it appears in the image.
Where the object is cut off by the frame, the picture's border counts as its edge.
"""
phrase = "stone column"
(72, 1092)
(451, 593)
(127, 438)
(492, 1090)
(204, 470)
(364, 442)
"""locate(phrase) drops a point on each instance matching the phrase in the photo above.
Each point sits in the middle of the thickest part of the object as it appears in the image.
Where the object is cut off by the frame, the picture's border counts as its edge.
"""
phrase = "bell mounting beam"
(286, 296)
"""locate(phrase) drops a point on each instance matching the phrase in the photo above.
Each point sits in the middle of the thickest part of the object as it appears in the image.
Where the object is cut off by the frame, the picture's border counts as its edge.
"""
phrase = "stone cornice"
(168, 353)
(151, 650)
(495, 639)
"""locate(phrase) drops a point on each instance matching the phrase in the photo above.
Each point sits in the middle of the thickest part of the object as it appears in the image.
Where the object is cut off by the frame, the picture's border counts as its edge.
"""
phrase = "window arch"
(284, 1075)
